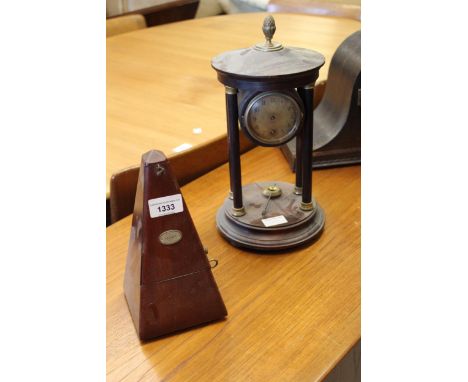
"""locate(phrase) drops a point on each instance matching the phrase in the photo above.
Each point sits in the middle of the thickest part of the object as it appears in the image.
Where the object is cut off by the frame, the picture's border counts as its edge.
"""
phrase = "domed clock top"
(268, 58)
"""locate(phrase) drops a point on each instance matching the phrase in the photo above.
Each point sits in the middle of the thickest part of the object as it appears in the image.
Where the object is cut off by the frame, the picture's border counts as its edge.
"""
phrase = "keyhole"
(272, 131)
(273, 117)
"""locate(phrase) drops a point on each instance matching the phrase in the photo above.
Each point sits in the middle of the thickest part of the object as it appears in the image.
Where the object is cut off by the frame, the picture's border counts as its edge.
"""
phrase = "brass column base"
(298, 190)
(307, 206)
(238, 211)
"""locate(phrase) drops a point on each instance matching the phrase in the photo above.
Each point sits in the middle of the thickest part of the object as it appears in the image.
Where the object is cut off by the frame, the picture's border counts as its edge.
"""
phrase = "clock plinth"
(270, 224)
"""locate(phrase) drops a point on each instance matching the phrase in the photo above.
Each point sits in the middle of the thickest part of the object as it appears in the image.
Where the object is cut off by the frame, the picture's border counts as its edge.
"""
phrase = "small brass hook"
(159, 169)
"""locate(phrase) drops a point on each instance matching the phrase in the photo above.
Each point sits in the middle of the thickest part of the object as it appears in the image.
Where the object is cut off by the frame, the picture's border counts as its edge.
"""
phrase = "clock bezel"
(247, 105)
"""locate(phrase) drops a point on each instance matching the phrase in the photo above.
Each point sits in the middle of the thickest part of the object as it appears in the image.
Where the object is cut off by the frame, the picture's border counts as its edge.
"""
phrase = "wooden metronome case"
(168, 281)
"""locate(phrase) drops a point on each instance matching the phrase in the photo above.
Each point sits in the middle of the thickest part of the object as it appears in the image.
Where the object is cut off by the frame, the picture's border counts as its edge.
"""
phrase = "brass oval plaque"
(170, 237)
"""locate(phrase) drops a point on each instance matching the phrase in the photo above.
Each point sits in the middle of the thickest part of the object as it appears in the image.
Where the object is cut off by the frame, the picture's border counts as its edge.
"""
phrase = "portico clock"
(269, 93)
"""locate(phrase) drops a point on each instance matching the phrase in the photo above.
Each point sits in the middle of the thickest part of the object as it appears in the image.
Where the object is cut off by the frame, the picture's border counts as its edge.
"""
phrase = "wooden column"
(298, 188)
(234, 151)
(307, 94)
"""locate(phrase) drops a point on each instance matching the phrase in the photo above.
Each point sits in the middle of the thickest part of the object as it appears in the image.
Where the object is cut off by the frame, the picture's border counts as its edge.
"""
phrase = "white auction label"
(167, 205)
(276, 220)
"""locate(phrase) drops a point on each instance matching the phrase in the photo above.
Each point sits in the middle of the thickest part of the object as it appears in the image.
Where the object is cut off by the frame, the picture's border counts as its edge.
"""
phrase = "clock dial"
(272, 118)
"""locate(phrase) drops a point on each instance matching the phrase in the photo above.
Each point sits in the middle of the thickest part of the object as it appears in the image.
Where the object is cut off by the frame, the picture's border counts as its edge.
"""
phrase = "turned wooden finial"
(269, 29)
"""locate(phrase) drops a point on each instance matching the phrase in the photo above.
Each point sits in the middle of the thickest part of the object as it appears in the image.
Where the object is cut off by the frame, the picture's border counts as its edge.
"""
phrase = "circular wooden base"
(291, 225)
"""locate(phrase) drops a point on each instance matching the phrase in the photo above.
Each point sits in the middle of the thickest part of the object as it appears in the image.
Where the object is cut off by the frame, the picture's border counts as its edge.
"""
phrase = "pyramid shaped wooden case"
(168, 281)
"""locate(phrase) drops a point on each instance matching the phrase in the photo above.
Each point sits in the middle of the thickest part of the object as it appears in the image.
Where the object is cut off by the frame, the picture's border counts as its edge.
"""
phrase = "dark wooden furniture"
(317, 8)
(167, 11)
(337, 118)
(168, 281)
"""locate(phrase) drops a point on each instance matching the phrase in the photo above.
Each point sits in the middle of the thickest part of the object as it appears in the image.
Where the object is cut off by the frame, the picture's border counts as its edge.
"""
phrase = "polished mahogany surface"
(168, 281)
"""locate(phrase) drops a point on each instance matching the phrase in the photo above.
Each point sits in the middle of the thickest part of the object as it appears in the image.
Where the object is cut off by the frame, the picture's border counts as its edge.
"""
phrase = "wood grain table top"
(291, 316)
(162, 92)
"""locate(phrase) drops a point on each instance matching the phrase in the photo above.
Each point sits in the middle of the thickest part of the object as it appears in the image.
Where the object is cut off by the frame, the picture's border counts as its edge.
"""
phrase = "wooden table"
(292, 316)
(162, 92)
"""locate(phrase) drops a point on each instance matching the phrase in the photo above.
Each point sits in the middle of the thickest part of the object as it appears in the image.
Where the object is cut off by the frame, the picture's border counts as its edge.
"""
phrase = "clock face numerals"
(272, 118)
